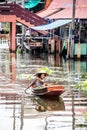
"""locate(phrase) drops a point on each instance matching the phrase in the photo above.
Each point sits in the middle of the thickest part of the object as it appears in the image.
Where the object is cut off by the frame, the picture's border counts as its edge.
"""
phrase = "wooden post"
(73, 29)
(52, 46)
(12, 37)
(13, 67)
(79, 51)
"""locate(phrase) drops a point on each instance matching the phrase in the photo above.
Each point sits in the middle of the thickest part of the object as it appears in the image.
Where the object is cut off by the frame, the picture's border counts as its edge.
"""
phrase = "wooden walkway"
(13, 13)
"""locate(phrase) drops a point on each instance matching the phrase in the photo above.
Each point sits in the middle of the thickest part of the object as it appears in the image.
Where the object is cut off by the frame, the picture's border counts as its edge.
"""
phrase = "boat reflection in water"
(46, 104)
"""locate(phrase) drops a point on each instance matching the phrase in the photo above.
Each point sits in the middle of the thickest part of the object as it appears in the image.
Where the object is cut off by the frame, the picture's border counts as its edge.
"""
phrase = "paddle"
(30, 86)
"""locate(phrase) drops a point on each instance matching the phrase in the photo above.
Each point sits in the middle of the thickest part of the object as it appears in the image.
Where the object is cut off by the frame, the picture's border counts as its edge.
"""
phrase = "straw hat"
(42, 72)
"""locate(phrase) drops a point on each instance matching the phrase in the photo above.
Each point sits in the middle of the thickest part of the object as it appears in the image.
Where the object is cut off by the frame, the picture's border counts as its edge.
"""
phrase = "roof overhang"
(53, 25)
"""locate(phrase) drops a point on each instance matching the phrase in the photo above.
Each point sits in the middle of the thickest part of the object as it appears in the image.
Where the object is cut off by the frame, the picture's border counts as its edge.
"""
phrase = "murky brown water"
(20, 111)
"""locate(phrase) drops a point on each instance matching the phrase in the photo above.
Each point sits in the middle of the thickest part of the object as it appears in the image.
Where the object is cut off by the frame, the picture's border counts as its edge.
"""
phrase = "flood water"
(21, 111)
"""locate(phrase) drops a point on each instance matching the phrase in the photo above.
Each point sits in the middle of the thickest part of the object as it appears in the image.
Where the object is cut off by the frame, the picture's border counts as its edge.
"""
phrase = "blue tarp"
(31, 3)
(55, 24)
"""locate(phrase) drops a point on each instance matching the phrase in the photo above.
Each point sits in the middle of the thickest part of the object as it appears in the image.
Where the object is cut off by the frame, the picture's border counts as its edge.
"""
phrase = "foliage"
(83, 83)
(24, 76)
(86, 116)
(18, 50)
(85, 122)
(7, 27)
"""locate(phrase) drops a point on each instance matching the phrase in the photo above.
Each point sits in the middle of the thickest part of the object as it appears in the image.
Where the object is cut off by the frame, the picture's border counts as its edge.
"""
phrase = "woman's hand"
(45, 84)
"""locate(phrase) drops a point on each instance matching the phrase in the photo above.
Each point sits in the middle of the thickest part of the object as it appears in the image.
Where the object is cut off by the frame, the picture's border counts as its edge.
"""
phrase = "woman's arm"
(30, 85)
(41, 80)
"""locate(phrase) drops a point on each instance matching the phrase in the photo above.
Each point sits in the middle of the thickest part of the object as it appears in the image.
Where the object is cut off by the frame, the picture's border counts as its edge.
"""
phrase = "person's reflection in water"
(45, 104)
(64, 52)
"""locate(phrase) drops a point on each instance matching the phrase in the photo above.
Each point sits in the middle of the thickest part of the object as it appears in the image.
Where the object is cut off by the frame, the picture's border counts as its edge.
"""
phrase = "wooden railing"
(14, 9)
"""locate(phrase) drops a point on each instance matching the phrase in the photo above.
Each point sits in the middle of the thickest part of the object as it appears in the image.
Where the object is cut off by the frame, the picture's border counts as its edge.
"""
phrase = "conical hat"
(41, 72)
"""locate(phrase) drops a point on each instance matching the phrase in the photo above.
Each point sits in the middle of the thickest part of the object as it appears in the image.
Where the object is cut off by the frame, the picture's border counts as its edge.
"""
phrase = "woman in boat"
(39, 80)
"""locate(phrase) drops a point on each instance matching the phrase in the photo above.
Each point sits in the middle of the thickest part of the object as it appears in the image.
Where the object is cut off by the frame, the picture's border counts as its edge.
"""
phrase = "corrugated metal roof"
(52, 25)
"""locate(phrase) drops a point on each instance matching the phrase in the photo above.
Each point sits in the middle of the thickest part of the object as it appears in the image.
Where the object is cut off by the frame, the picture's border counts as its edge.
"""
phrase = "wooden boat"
(54, 90)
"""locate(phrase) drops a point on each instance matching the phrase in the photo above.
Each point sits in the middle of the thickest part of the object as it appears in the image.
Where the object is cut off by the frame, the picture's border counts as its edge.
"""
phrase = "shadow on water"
(46, 104)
